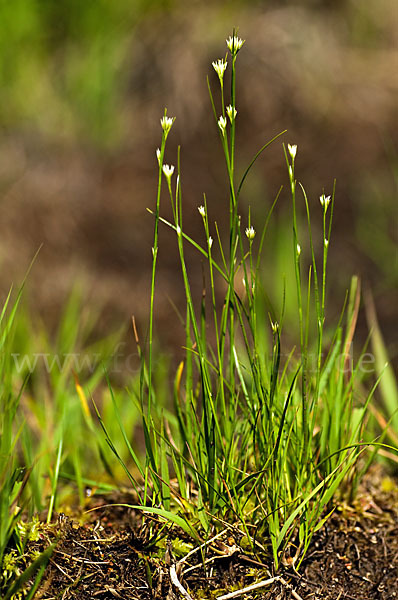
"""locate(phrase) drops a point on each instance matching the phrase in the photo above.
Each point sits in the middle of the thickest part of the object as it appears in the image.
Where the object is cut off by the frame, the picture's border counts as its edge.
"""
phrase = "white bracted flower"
(210, 241)
(326, 242)
(168, 171)
(298, 248)
(234, 44)
(231, 112)
(158, 154)
(219, 66)
(292, 150)
(166, 123)
(222, 123)
(202, 210)
(250, 233)
(325, 201)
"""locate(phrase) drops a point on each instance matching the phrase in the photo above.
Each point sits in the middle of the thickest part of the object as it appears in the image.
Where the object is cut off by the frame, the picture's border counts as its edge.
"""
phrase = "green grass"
(256, 440)
(249, 435)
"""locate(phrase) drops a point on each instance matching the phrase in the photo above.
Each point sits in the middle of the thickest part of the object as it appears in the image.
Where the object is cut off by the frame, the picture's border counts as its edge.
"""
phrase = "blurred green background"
(82, 88)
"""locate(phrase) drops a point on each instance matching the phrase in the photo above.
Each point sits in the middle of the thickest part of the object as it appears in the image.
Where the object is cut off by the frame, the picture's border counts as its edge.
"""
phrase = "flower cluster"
(325, 201)
(292, 150)
(234, 44)
(166, 123)
(231, 112)
(222, 123)
(250, 233)
(219, 66)
(168, 171)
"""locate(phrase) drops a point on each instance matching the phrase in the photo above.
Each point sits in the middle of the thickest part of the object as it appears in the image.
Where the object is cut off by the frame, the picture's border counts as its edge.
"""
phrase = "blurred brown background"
(82, 88)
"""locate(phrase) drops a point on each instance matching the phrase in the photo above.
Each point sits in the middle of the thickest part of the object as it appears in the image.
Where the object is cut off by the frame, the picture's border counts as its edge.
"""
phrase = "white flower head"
(292, 150)
(326, 242)
(234, 44)
(210, 241)
(274, 326)
(298, 248)
(166, 123)
(158, 154)
(219, 66)
(250, 233)
(325, 201)
(231, 112)
(202, 210)
(168, 171)
(222, 123)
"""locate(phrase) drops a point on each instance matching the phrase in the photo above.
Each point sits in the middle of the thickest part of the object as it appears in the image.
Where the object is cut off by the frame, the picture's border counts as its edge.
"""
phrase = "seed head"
(219, 66)
(231, 112)
(234, 44)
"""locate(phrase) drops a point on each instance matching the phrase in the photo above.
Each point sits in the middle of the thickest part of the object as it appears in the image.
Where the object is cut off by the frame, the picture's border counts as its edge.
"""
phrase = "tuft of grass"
(249, 436)
(50, 447)
(260, 441)
(14, 476)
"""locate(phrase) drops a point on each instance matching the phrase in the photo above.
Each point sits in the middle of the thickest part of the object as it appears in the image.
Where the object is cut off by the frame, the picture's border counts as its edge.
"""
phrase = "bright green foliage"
(258, 440)
(247, 436)
(47, 432)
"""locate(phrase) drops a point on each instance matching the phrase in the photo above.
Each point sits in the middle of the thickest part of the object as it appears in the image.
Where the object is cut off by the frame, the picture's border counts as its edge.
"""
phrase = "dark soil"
(353, 557)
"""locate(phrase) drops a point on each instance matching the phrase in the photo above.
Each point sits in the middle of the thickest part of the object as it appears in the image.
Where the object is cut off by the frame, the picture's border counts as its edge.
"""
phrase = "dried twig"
(294, 594)
(175, 581)
(249, 588)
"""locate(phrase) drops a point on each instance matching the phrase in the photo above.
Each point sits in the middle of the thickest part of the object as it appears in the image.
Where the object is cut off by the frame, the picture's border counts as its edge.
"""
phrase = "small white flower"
(166, 123)
(325, 201)
(168, 170)
(250, 232)
(210, 241)
(326, 243)
(298, 248)
(292, 150)
(158, 154)
(274, 326)
(219, 66)
(231, 112)
(222, 123)
(234, 44)
(202, 211)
